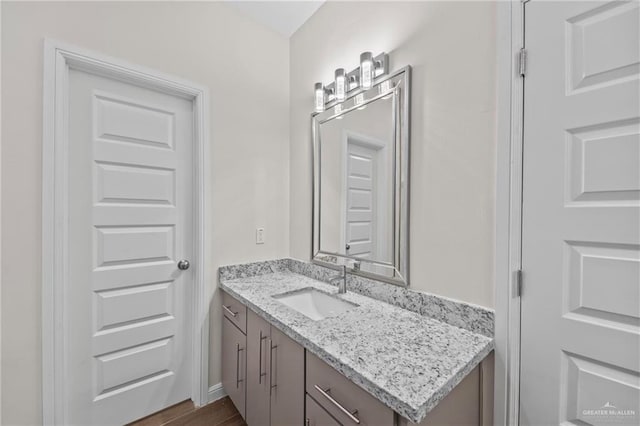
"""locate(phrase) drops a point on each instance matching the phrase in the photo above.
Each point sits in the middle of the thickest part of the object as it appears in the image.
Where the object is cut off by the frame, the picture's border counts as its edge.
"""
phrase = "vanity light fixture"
(359, 79)
(341, 85)
(320, 97)
(366, 70)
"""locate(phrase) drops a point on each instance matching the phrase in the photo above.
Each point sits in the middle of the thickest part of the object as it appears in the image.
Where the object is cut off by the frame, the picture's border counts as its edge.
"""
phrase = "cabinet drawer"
(344, 400)
(317, 416)
(235, 311)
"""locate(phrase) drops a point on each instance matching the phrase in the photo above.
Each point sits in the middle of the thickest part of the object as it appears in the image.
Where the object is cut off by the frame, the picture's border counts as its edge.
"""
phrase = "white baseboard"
(216, 392)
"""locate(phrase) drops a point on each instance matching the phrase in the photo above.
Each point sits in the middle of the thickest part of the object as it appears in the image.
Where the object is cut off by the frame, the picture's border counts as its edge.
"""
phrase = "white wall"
(260, 123)
(245, 66)
(451, 47)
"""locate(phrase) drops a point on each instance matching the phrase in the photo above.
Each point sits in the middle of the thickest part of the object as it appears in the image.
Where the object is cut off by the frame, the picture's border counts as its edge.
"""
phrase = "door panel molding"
(59, 59)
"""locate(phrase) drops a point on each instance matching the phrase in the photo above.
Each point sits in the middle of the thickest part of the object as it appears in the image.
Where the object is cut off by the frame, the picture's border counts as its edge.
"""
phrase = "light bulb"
(341, 84)
(366, 70)
(319, 97)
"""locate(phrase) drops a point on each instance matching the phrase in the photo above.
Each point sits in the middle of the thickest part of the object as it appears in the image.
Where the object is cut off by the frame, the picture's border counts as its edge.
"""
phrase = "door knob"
(348, 247)
(183, 264)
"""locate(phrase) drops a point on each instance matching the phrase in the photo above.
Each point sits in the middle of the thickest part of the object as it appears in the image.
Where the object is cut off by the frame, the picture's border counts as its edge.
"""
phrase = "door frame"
(509, 132)
(59, 58)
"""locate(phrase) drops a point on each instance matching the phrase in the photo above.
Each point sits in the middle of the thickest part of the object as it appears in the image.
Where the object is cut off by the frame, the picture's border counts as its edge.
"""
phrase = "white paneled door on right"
(128, 348)
(580, 353)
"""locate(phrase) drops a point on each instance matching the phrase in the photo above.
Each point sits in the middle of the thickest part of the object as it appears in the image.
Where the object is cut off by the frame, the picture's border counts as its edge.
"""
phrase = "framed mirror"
(361, 181)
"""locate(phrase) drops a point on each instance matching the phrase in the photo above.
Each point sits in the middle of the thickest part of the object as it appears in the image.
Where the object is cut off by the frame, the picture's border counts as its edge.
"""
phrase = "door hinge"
(517, 283)
(522, 62)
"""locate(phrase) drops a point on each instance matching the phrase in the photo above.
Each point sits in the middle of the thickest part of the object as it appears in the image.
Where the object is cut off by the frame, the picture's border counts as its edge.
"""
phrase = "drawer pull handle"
(272, 375)
(227, 308)
(238, 379)
(260, 373)
(351, 414)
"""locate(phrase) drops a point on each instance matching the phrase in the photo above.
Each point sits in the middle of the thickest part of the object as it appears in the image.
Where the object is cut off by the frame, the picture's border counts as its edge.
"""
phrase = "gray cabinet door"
(234, 364)
(287, 380)
(258, 377)
(318, 416)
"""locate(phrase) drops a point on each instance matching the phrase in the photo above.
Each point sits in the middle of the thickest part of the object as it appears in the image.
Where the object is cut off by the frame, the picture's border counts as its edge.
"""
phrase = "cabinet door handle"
(238, 379)
(351, 414)
(271, 384)
(228, 309)
(260, 373)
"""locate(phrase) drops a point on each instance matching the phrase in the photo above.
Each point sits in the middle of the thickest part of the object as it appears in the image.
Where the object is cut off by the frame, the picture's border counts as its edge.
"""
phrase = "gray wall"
(451, 47)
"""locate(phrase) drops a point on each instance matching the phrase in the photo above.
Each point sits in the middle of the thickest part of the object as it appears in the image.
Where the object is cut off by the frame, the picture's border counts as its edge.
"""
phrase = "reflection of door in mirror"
(366, 194)
(356, 183)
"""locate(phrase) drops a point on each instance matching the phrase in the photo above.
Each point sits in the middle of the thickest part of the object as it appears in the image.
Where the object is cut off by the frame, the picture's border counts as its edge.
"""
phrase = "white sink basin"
(314, 303)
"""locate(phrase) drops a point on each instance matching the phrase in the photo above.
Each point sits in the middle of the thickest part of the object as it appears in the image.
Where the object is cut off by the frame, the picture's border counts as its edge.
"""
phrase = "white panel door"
(130, 206)
(581, 215)
(361, 201)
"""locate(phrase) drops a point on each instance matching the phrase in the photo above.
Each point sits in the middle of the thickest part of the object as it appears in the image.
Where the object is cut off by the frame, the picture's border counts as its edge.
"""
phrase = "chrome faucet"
(341, 278)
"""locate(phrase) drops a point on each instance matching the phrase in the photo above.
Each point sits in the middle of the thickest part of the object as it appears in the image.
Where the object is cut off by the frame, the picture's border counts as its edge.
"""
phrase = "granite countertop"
(408, 361)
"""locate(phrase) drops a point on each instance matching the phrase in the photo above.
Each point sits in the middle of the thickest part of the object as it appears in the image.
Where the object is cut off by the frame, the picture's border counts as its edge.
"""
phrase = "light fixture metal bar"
(353, 75)
(381, 62)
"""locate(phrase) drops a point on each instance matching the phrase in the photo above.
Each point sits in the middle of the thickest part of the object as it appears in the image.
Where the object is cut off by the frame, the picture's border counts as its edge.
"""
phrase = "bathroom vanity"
(289, 358)
(298, 350)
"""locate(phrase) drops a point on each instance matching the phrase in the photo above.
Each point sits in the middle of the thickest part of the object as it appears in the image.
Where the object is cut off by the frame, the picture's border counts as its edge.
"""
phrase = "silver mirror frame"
(398, 86)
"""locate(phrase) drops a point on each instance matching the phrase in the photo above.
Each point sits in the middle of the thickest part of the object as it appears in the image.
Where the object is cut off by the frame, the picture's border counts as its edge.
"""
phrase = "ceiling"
(285, 17)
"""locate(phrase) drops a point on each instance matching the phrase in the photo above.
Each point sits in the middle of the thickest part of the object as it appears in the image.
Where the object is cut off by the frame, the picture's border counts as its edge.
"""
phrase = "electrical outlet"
(259, 235)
